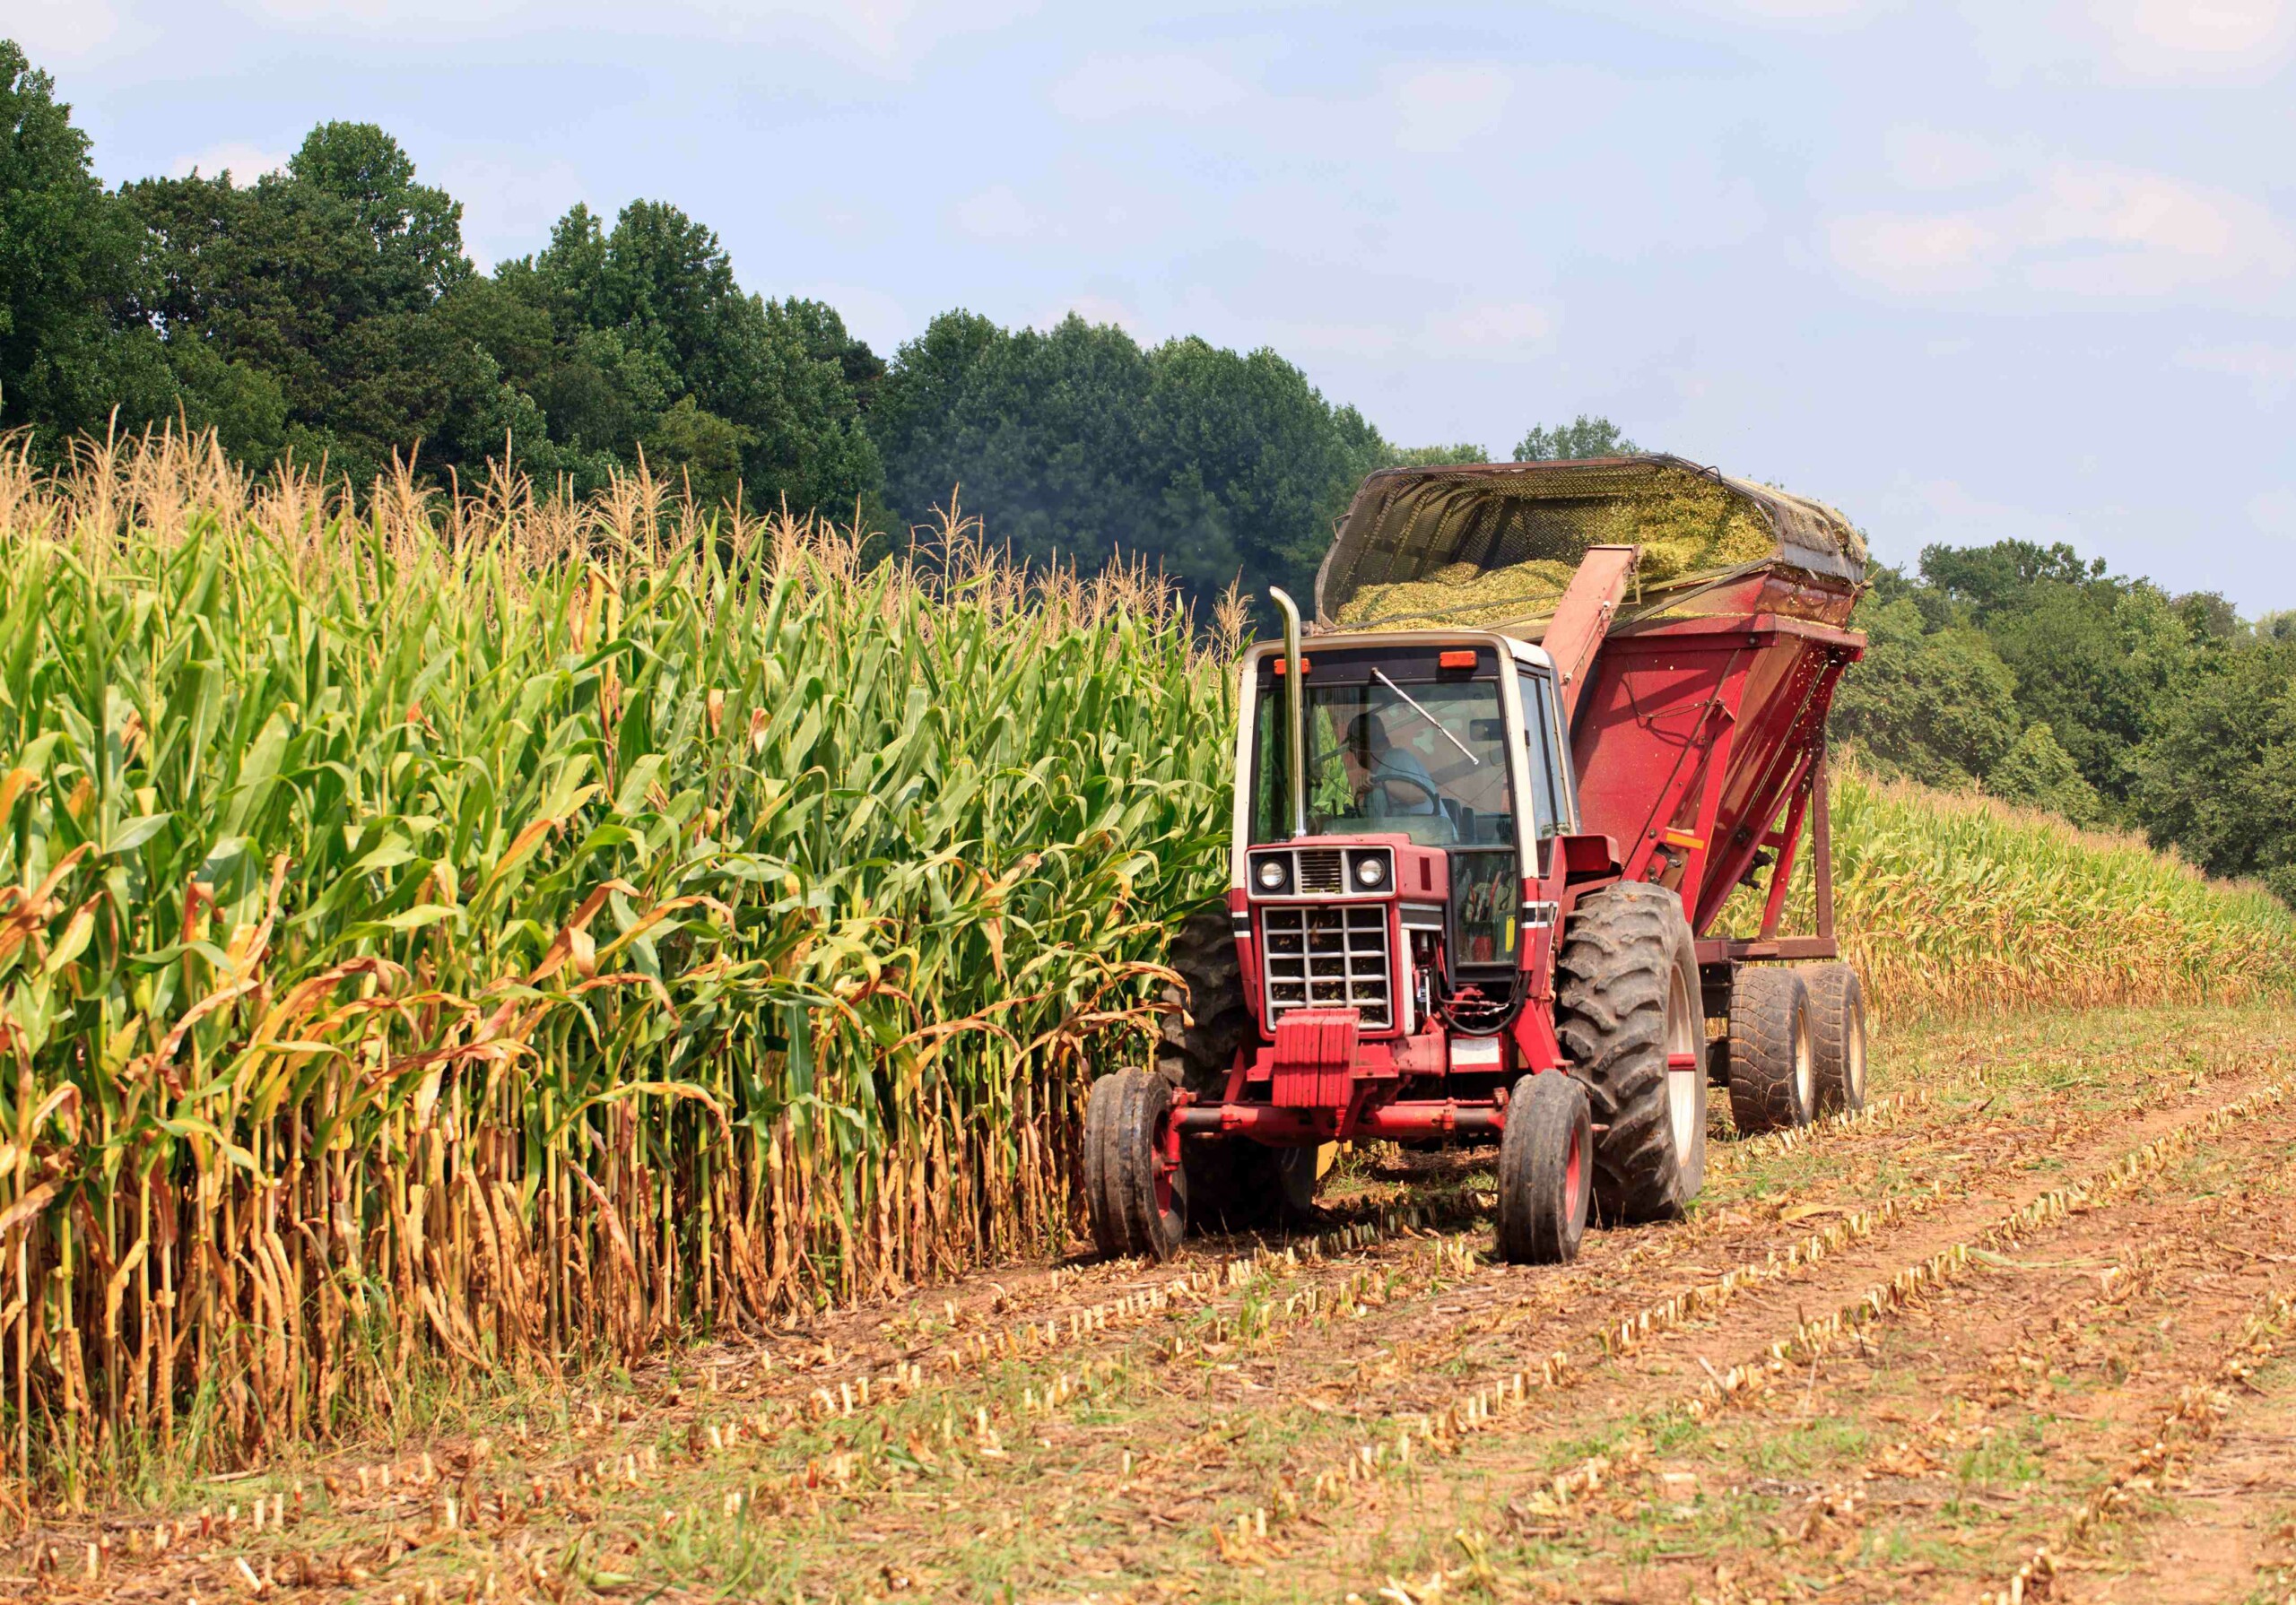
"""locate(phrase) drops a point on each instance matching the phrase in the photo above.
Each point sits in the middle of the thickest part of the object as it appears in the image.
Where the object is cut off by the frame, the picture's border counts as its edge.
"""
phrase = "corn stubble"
(498, 930)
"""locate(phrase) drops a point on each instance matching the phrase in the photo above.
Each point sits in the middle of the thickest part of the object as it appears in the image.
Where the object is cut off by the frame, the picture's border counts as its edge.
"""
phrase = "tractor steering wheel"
(1434, 798)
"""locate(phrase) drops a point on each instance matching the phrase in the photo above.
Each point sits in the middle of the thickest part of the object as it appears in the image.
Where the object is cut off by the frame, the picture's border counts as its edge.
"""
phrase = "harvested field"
(2024, 1318)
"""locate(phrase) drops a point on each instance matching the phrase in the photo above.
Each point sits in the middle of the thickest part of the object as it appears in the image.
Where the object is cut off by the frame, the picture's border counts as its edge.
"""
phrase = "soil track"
(1924, 1354)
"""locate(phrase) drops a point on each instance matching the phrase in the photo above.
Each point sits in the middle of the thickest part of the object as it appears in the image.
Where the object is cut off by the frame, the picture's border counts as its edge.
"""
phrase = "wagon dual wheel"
(1837, 1037)
(1135, 1194)
(1773, 1068)
(1628, 1016)
(1546, 1160)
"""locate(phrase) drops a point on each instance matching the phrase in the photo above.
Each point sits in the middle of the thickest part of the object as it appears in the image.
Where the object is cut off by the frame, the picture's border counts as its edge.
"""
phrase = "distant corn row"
(490, 931)
(1964, 903)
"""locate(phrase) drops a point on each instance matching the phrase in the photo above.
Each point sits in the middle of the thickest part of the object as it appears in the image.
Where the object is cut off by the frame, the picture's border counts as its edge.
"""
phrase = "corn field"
(489, 932)
(493, 932)
(1949, 902)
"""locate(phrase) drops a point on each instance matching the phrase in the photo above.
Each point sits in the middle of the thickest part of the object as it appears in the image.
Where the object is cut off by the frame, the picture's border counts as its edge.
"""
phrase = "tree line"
(2035, 676)
(329, 312)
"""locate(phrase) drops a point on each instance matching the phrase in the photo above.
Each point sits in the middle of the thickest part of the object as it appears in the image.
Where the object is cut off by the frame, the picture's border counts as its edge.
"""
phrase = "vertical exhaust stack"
(1295, 709)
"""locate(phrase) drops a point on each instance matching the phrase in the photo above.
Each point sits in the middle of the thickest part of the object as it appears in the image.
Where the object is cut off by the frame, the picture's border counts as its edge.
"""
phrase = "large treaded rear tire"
(1773, 1079)
(1123, 1123)
(1837, 1037)
(1233, 1184)
(1209, 1019)
(1626, 989)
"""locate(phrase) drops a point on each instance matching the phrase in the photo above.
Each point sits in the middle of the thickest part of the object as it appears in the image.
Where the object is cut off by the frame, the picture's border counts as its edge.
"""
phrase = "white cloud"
(1924, 158)
(878, 34)
(995, 212)
(1946, 510)
(1914, 254)
(2121, 231)
(2077, 227)
(2198, 30)
(2135, 41)
(2273, 511)
(2269, 369)
(245, 163)
(1122, 86)
(1492, 328)
(1448, 108)
(56, 30)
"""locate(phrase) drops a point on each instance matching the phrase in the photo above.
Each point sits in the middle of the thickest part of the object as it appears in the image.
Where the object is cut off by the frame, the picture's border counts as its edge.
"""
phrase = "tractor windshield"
(1425, 760)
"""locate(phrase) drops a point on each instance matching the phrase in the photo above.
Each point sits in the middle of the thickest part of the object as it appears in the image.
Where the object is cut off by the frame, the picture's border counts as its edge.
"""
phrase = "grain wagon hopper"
(1487, 814)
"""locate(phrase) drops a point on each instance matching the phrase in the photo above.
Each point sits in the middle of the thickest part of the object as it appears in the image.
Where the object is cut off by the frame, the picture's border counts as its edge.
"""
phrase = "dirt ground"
(2023, 1330)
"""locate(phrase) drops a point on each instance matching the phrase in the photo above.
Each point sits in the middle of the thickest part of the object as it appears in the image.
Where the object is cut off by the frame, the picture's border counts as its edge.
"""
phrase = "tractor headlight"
(1270, 875)
(1371, 871)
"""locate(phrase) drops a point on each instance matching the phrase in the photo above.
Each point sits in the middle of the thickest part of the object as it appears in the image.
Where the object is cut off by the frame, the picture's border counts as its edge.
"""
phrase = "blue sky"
(2021, 268)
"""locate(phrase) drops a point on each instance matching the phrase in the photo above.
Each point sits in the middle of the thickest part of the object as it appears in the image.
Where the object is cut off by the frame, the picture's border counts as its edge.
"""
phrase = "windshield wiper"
(1381, 676)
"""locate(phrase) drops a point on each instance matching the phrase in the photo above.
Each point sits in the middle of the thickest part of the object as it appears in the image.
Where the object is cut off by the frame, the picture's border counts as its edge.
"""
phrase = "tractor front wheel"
(1546, 1166)
(1837, 1037)
(1773, 1068)
(1132, 1189)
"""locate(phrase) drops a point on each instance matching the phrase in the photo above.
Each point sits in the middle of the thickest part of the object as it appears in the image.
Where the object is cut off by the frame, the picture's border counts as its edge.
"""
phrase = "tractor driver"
(1372, 760)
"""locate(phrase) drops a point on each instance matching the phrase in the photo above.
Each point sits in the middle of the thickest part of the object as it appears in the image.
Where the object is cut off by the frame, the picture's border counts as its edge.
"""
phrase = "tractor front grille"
(1330, 958)
(1320, 870)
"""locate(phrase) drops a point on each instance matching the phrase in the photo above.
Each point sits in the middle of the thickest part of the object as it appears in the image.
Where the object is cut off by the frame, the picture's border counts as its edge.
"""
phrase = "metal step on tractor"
(1485, 830)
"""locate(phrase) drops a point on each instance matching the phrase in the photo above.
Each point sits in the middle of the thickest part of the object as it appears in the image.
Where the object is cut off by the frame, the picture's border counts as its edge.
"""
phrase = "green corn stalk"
(500, 932)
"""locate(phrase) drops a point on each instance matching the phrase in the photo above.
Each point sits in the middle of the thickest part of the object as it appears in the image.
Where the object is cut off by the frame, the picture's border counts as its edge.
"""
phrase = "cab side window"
(1552, 800)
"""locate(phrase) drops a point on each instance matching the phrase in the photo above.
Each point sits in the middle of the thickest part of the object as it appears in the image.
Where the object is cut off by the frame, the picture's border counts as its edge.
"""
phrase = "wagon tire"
(1137, 1206)
(1627, 1015)
(1773, 1071)
(1837, 1037)
(1546, 1159)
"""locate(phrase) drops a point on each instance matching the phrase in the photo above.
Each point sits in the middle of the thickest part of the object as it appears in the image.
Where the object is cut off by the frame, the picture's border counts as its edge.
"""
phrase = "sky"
(2017, 268)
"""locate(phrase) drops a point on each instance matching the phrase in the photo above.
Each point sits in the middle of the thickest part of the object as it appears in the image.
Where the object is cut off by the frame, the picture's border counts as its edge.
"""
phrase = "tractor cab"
(1435, 769)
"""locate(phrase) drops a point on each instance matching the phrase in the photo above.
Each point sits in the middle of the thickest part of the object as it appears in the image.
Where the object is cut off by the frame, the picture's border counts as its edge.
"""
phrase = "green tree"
(2040, 774)
(302, 312)
(1075, 444)
(1938, 706)
(1438, 456)
(2217, 778)
(1989, 579)
(71, 350)
(1582, 437)
(653, 347)
(2095, 655)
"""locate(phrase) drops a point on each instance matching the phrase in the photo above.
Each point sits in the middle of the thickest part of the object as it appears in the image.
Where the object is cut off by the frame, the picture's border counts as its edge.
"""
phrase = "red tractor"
(1475, 864)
